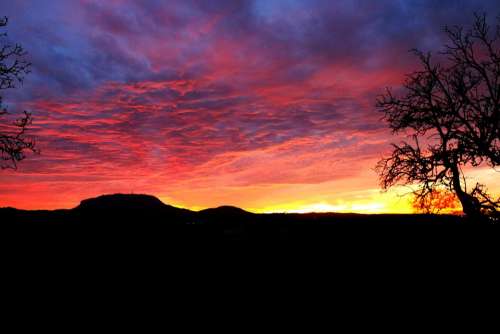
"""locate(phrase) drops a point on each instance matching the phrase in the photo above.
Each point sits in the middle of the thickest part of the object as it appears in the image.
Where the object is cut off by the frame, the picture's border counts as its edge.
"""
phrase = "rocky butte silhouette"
(122, 208)
(122, 202)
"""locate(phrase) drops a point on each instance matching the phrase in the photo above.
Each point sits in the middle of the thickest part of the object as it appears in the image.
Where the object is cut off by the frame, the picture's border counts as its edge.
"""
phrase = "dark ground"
(118, 248)
(140, 217)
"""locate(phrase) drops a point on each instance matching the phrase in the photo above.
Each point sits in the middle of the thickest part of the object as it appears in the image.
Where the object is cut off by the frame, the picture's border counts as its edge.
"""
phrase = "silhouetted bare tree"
(450, 111)
(13, 140)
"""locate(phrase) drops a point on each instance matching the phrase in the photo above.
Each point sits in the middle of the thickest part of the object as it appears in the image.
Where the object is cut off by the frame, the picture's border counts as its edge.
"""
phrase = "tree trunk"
(470, 204)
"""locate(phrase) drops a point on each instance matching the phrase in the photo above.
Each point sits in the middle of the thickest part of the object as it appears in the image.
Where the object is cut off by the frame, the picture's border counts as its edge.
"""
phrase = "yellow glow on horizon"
(371, 201)
(341, 208)
(380, 203)
(366, 208)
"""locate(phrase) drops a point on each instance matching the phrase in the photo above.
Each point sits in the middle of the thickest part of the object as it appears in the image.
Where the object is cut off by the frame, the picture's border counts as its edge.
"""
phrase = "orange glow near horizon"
(356, 192)
(284, 198)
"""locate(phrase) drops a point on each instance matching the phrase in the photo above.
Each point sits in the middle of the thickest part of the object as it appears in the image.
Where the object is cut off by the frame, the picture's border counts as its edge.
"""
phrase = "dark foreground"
(142, 218)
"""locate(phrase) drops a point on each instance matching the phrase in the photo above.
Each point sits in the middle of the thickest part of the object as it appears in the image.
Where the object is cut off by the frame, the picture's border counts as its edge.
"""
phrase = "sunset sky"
(266, 104)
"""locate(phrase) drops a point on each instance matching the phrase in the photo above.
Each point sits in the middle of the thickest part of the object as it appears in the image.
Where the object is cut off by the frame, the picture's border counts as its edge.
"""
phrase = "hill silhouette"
(144, 216)
(119, 208)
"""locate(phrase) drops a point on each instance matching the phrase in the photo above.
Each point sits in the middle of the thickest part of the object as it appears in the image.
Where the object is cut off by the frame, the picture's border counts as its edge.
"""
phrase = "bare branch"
(14, 143)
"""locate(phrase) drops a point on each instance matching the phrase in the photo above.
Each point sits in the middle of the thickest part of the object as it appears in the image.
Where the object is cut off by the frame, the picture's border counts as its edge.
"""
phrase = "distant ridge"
(135, 218)
(226, 209)
(142, 202)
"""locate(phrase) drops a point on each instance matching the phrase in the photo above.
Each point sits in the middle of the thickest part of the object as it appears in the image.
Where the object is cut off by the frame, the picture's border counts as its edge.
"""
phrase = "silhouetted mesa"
(122, 202)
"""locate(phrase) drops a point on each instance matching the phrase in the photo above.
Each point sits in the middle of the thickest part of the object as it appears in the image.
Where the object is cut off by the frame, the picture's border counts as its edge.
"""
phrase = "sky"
(268, 105)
